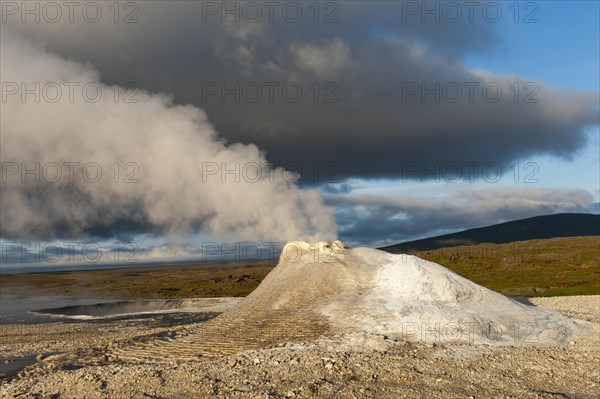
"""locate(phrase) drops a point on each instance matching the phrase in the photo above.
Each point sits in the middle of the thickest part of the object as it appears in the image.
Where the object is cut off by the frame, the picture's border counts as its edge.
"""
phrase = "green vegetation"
(180, 281)
(231, 285)
(550, 267)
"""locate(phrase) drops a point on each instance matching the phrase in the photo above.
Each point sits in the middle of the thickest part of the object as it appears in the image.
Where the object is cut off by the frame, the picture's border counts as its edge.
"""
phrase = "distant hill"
(538, 227)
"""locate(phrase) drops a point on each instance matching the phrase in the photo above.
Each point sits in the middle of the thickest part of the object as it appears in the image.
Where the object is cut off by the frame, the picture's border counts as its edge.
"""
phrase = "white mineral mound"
(403, 296)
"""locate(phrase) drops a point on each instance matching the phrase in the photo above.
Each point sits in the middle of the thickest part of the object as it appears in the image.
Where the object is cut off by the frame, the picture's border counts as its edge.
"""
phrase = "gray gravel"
(327, 368)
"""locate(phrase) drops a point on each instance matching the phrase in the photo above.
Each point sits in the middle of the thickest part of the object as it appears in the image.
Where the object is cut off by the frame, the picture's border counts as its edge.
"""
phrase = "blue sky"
(563, 50)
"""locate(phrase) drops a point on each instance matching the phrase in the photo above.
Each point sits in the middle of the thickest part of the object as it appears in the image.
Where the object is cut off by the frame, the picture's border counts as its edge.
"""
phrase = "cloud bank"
(412, 217)
(380, 87)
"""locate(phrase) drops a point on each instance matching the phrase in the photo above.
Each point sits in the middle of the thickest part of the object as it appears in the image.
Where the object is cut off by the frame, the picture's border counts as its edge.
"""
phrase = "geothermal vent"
(326, 288)
(368, 290)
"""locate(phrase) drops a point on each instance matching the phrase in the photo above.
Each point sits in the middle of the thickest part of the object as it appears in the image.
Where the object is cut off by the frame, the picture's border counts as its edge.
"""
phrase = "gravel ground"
(351, 366)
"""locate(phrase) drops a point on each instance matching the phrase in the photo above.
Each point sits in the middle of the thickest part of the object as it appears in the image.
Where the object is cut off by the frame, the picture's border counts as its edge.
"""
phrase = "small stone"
(243, 387)
(256, 360)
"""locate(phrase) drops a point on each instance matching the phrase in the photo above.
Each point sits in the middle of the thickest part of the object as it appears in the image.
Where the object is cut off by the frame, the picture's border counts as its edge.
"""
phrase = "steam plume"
(162, 164)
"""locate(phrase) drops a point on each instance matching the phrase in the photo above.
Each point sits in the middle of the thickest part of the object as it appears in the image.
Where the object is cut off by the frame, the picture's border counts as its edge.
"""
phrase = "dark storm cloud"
(370, 63)
(381, 220)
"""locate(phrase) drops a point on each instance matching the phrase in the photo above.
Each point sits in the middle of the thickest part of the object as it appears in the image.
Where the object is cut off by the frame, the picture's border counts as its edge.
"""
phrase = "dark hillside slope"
(538, 227)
